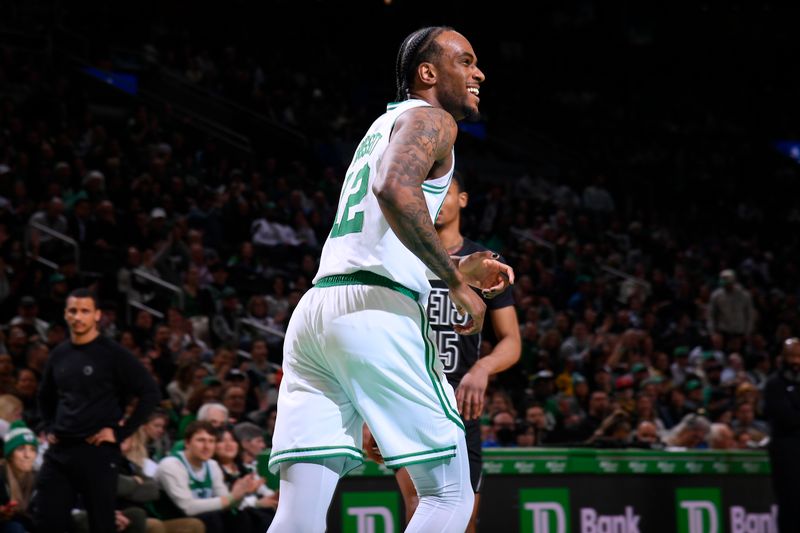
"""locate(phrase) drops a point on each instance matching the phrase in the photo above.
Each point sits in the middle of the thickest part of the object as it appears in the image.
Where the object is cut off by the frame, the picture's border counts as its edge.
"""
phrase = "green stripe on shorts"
(317, 449)
(407, 455)
(400, 461)
(317, 452)
(430, 354)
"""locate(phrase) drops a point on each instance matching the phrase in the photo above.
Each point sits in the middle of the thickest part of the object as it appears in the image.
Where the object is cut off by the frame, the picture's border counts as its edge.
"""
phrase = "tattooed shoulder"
(432, 129)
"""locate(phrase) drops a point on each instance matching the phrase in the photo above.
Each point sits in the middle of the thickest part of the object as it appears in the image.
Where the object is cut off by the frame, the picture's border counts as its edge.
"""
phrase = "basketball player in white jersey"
(358, 347)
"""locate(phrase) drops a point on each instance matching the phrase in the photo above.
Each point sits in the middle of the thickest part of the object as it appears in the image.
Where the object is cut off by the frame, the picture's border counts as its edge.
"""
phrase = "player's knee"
(454, 492)
(299, 522)
(467, 501)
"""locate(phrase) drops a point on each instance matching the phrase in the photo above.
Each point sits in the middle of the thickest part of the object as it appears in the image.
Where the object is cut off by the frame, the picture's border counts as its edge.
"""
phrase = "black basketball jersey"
(458, 352)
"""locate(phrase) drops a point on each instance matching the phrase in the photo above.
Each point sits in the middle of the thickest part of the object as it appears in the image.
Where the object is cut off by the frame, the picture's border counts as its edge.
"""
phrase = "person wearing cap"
(158, 213)
(225, 323)
(730, 310)
(695, 398)
(640, 373)
(624, 391)
(714, 348)
(680, 365)
(543, 385)
(159, 227)
(86, 384)
(782, 409)
(17, 477)
(239, 378)
(28, 319)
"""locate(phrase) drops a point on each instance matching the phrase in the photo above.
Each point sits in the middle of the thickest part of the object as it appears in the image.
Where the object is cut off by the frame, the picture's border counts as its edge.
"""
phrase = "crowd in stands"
(635, 332)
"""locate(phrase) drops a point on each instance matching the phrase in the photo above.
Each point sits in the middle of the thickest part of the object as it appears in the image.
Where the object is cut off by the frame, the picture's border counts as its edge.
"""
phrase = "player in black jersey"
(466, 372)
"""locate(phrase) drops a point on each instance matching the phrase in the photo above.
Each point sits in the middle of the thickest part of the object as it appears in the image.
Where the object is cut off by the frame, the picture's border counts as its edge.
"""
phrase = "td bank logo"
(699, 510)
(370, 512)
(544, 510)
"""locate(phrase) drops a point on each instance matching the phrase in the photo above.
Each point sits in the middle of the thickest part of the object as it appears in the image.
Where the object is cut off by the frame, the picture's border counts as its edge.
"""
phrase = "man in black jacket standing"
(782, 408)
(88, 382)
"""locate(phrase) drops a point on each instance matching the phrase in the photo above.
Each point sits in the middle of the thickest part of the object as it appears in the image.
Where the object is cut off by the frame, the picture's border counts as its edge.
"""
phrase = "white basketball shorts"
(358, 353)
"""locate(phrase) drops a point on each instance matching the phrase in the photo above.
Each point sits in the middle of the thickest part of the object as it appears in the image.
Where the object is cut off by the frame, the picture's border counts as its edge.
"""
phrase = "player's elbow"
(515, 355)
(385, 191)
(514, 347)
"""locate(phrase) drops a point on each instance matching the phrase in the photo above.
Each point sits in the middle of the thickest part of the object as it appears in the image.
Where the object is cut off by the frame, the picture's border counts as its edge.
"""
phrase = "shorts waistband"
(364, 277)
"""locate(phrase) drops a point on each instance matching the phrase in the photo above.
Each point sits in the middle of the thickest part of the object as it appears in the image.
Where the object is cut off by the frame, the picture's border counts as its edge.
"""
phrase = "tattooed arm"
(421, 141)
(421, 138)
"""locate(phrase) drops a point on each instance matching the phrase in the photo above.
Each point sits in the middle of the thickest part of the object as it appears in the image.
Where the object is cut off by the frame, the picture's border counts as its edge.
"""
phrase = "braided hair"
(417, 48)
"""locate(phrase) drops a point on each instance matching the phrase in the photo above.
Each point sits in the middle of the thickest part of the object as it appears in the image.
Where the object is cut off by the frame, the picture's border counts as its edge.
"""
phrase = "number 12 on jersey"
(350, 217)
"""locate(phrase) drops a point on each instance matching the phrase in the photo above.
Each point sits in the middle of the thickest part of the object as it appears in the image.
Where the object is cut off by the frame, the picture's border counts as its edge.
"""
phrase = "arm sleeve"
(174, 480)
(136, 381)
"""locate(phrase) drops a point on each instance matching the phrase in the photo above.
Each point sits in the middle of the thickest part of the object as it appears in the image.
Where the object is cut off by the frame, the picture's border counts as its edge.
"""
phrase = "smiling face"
(226, 448)
(23, 457)
(456, 75)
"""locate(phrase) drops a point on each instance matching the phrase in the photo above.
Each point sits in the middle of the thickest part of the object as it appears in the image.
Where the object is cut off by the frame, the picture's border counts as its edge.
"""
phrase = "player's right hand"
(468, 302)
(484, 271)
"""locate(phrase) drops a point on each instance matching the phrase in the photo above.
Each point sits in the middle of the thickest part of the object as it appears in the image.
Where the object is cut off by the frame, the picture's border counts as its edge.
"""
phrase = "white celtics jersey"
(361, 238)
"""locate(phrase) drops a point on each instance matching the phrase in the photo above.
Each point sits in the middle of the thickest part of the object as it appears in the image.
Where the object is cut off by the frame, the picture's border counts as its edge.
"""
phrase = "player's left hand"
(471, 392)
(482, 270)
(104, 435)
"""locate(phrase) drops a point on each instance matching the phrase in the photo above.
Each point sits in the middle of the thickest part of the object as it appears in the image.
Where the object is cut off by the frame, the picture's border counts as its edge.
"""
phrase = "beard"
(792, 373)
(472, 114)
(459, 106)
